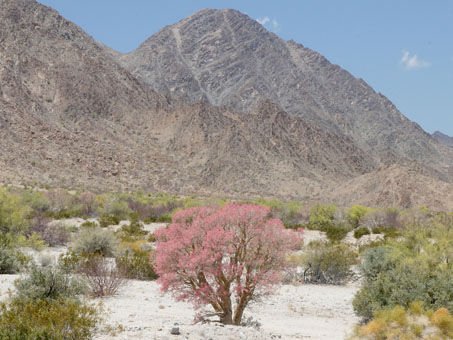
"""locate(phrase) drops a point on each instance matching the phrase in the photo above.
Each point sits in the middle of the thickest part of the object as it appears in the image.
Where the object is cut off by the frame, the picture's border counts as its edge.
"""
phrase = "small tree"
(223, 257)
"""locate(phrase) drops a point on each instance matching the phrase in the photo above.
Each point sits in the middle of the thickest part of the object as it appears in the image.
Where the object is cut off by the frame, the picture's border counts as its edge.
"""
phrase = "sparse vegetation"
(49, 283)
(102, 276)
(137, 264)
(326, 263)
(412, 324)
(417, 267)
(60, 319)
(96, 241)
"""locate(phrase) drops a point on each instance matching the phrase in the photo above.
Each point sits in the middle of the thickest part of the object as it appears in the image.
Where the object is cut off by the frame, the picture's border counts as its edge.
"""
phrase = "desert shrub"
(419, 267)
(56, 234)
(46, 260)
(102, 275)
(414, 323)
(49, 283)
(292, 225)
(117, 208)
(88, 224)
(388, 231)
(88, 204)
(356, 214)
(213, 256)
(11, 260)
(140, 208)
(151, 238)
(158, 217)
(35, 200)
(137, 264)
(13, 214)
(60, 319)
(336, 232)
(62, 204)
(106, 220)
(96, 241)
(288, 212)
(361, 231)
(388, 218)
(322, 217)
(70, 261)
(162, 212)
(131, 232)
(327, 263)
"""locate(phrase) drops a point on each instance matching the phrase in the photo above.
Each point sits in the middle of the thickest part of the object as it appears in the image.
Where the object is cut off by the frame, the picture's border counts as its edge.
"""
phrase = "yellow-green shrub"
(61, 319)
(415, 323)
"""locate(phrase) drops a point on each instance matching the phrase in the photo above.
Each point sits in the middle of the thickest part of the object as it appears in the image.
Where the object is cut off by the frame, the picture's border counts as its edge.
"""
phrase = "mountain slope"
(443, 138)
(71, 115)
(223, 57)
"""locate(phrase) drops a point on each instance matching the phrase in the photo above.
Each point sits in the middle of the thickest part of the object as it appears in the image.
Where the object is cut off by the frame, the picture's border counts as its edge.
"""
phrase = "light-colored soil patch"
(295, 312)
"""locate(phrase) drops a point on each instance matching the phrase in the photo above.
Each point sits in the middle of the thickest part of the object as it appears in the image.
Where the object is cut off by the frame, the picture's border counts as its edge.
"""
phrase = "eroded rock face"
(223, 57)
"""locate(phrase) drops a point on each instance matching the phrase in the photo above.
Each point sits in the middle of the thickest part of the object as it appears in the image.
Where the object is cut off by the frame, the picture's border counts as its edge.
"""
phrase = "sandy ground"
(141, 311)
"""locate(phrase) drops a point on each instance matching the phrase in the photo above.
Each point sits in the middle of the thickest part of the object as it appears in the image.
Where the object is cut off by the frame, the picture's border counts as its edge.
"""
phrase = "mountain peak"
(225, 58)
(443, 138)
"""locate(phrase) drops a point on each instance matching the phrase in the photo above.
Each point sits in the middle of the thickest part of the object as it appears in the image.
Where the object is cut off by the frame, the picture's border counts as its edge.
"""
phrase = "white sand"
(295, 312)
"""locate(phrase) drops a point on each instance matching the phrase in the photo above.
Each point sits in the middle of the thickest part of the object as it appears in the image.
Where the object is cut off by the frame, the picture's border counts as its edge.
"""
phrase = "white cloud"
(263, 21)
(413, 62)
(271, 24)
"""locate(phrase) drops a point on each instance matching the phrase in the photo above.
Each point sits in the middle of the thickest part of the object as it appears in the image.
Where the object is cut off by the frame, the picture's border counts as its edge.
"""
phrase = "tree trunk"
(227, 317)
(240, 310)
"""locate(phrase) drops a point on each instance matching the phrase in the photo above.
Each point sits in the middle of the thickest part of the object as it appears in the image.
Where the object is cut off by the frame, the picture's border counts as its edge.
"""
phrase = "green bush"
(88, 224)
(13, 214)
(96, 241)
(361, 231)
(131, 232)
(322, 217)
(69, 262)
(336, 232)
(388, 231)
(106, 220)
(137, 264)
(49, 283)
(419, 267)
(356, 214)
(327, 263)
(11, 260)
(61, 319)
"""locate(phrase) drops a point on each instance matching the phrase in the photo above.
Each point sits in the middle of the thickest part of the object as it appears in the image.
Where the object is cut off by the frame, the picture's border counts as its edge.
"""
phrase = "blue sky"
(403, 49)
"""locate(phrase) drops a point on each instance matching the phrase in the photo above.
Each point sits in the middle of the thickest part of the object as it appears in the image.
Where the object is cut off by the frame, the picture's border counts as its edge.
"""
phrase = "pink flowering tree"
(223, 257)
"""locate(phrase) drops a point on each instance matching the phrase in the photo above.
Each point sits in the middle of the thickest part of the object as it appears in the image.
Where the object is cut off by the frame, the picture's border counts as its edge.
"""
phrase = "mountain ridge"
(71, 115)
(201, 58)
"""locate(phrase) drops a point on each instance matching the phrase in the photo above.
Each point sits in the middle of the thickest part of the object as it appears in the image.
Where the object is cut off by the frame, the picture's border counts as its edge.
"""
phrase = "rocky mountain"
(223, 57)
(75, 113)
(70, 115)
(443, 138)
